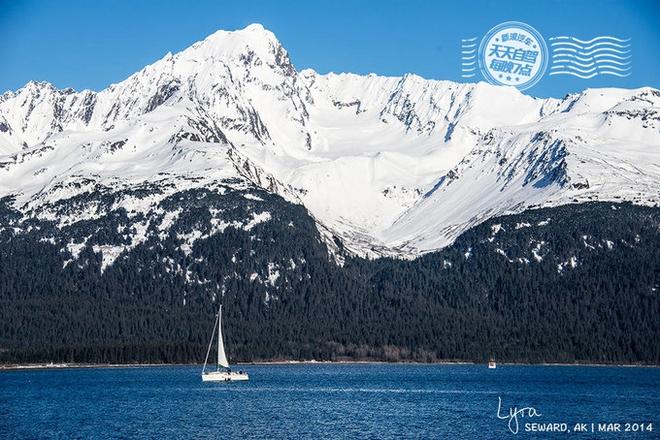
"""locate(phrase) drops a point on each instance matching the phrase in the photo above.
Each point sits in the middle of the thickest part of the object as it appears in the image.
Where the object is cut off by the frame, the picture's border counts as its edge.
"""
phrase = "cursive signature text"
(513, 414)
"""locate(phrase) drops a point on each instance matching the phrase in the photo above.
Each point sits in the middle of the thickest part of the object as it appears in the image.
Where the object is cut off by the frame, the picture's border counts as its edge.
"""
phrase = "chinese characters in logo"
(513, 54)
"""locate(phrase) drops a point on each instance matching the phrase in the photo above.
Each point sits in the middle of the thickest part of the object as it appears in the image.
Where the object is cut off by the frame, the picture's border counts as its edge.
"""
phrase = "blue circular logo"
(513, 54)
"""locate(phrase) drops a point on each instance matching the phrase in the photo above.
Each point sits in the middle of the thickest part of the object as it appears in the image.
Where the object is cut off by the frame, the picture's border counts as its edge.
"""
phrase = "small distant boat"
(223, 372)
(492, 364)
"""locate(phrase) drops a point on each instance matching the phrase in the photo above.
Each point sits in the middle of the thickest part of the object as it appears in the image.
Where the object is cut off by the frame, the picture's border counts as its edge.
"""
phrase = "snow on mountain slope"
(391, 165)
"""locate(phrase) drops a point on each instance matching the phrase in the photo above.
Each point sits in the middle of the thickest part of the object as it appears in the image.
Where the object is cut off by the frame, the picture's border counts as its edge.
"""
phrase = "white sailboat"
(223, 372)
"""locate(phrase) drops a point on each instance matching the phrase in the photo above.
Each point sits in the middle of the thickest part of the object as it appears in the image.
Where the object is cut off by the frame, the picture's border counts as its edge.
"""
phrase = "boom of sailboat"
(223, 372)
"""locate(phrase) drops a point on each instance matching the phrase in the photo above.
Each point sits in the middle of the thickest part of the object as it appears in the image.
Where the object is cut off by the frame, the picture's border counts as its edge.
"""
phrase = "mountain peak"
(255, 27)
(223, 43)
(254, 30)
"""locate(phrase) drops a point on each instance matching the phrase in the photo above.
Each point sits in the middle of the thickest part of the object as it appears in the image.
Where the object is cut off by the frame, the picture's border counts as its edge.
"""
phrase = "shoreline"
(62, 366)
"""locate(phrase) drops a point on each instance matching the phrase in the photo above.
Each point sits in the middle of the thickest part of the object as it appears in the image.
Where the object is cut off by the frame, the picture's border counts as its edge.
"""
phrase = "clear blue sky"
(93, 43)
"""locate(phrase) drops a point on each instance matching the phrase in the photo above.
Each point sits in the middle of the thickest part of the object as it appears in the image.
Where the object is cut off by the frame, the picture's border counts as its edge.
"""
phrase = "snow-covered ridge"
(392, 165)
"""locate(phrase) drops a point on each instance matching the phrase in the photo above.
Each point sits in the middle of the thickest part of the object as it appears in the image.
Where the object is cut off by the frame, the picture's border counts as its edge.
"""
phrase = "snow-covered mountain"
(389, 165)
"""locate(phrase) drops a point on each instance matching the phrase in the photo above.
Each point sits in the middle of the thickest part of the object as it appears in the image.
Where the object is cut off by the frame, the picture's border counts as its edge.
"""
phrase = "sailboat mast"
(208, 351)
(219, 333)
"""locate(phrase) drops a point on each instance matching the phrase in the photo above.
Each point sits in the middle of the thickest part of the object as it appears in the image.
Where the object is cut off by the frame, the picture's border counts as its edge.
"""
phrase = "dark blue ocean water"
(324, 401)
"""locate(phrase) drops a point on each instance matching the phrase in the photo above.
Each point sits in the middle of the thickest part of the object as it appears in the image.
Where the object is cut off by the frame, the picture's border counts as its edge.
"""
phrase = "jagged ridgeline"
(391, 166)
(570, 283)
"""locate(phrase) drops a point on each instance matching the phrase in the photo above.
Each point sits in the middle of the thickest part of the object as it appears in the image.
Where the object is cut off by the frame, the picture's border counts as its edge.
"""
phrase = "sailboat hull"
(224, 376)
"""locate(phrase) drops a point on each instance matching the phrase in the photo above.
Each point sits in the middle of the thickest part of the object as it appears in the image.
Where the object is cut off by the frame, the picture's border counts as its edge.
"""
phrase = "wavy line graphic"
(571, 60)
(468, 57)
(591, 70)
(617, 57)
(591, 46)
(602, 37)
(603, 55)
(589, 53)
(605, 72)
